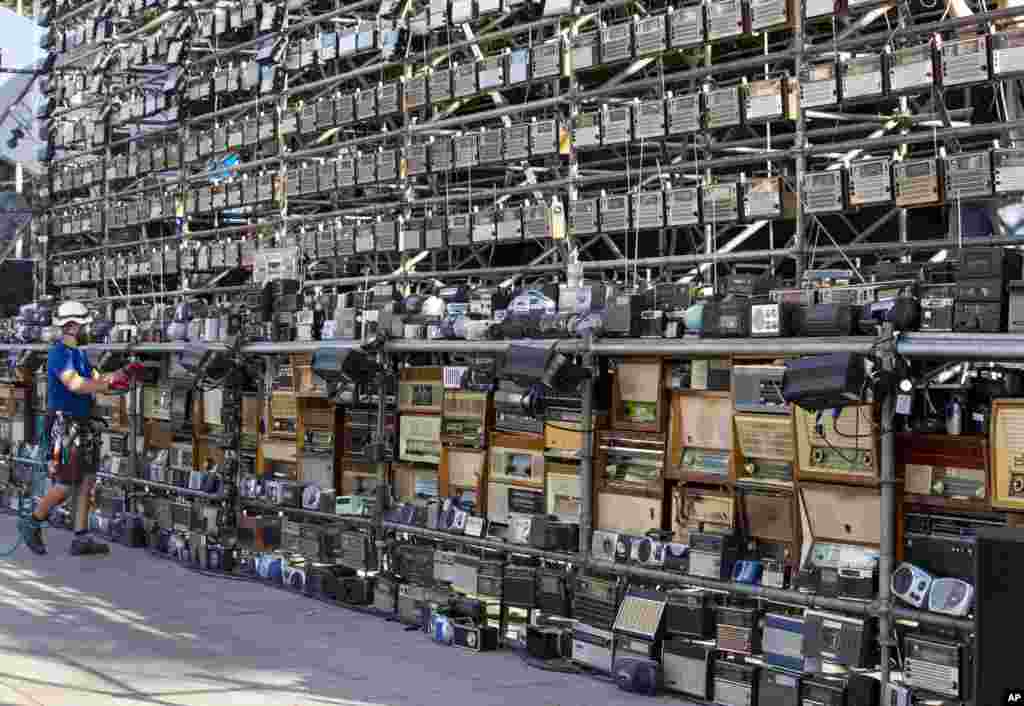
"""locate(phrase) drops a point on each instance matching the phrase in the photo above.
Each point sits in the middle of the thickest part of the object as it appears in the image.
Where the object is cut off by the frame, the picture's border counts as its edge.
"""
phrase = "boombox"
(687, 667)
(737, 630)
(734, 683)
(938, 666)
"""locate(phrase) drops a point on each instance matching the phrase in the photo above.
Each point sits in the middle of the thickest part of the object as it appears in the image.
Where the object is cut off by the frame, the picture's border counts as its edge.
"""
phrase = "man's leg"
(30, 527)
(84, 543)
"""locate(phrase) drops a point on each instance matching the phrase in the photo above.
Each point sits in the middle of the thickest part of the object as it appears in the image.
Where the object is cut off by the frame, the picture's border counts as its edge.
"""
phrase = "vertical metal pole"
(586, 457)
(888, 518)
(800, 163)
(382, 485)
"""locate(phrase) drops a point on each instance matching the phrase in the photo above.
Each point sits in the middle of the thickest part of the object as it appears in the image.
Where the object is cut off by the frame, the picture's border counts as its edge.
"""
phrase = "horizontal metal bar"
(263, 505)
(485, 543)
(732, 346)
(162, 486)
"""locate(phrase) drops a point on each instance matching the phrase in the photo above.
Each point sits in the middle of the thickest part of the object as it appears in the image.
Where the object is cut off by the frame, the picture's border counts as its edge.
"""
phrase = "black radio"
(829, 320)
(690, 612)
(836, 639)
(520, 586)
(943, 545)
(595, 601)
(727, 318)
(548, 533)
(509, 413)
(737, 630)
(735, 683)
(712, 555)
(823, 691)
(490, 578)
(779, 687)
(687, 667)
(937, 306)
(553, 592)
(935, 665)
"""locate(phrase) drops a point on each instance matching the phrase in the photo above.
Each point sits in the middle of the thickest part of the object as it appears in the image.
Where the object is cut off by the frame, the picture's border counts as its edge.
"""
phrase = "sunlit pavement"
(130, 628)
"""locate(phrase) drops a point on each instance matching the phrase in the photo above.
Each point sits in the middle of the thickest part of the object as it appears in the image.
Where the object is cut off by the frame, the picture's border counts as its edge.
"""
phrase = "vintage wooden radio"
(284, 415)
(465, 472)
(420, 390)
(700, 443)
(842, 449)
(464, 418)
(638, 396)
(771, 517)
(944, 470)
(632, 463)
(1007, 446)
(843, 559)
(701, 509)
(765, 448)
(563, 493)
(516, 459)
(419, 438)
(415, 483)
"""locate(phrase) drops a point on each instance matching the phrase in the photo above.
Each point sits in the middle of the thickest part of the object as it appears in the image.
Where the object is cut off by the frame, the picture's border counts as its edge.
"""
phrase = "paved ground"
(134, 629)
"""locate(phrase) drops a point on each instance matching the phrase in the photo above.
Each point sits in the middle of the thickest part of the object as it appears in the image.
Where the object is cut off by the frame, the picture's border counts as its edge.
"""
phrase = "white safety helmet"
(72, 312)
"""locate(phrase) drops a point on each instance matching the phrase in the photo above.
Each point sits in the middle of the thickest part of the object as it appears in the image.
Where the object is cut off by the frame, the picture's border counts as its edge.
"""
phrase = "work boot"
(84, 546)
(31, 531)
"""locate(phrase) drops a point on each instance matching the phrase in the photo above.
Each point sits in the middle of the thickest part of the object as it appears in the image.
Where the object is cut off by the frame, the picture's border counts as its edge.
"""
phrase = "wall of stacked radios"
(276, 172)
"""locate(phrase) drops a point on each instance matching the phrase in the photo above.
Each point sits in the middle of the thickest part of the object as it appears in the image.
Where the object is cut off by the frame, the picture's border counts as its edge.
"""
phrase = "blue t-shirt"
(59, 398)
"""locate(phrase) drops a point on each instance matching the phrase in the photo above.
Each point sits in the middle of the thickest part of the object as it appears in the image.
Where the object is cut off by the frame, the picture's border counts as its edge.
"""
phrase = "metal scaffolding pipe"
(732, 346)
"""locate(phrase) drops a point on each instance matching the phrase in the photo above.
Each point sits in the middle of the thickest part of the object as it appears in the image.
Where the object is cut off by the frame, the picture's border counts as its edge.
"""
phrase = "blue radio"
(747, 571)
(782, 641)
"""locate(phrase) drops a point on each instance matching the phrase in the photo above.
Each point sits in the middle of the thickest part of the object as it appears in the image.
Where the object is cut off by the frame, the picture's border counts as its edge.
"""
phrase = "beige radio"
(419, 438)
(517, 459)
(700, 440)
(772, 517)
(771, 99)
(917, 182)
(700, 509)
(421, 390)
(638, 402)
(1008, 454)
(946, 481)
(279, 451)
(856, 522)
(506, 500)
(284, 415)
(563, 492)
(464, 470)
(414, 482)
(213, 403)
(564, 439)
(628, 514)
(464, 418)
(842, 449)
(765, 448)
(632, 462)
(156, 403)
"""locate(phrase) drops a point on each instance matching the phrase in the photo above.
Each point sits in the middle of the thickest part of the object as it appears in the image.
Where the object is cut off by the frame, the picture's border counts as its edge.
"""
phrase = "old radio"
(563, 492)
(648, 119)
(917, 182)
(699, 438)
(769, 99)
(764, 198)
(968, 175)
(723, 19)
(586, 129)
(520, 586)
(504, 500)
(964, 61)
(941, 466)
(839, 448)
(687, 667)
(1007, 53)
(420, 390)
(862, 78)
(823, 192)
(617, 43)
(648, 210)
(823, 691)
(937, 666)
(420, 438)
(490, 579)
(516, 458)
(911, 68)
(938, 307)
(595, 601)
(585, 50)
(765, 448)
(1008, 170)
(869, 183)
(553, 591)
(737, 629)
(637, 396)
(819, 84)
(632, 461)
(682, 207)
(516, 141)
(830, 638)
(720, 203)
(734, 683)
(758, 388)
(510, 416)
(690, 612)
(156, 403)
(722, 107)
(782, 641)
(683, 113)
(616, 124)
(592, 647)
(637, 630)
(283, 415)
(465, 471)
(702, 509)
(779, 687)
(712, 555)
(1007, 454)
(844, 552)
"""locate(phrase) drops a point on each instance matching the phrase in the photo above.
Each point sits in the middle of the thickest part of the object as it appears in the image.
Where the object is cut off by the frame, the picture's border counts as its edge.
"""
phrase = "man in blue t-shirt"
(71, 384)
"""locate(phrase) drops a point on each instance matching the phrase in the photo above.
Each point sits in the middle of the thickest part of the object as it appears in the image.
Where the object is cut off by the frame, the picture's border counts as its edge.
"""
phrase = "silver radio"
(721, 107)
(614, 213)
(516, 142)
(686, 26)
(911, 68)
(682, 207)
(823, 192)
(964, 61)
(1008, 170)
(870, 182)
(934, 665)
(818, 83)
(586, 131)
(762, 198)
(649, 35)
(862, 77)
(544, 137)
(687, 667)
(546, 60)
(683, 113)
(735, 683)
(585, 50)
(724, 19)
(720, 203)
(617, 43)
(616, 125)
(968, 175)
(917, 182)
(510, 224)
(1007, 53)
(648, 210)
(649, 119)
(490, 145)
(484, 226)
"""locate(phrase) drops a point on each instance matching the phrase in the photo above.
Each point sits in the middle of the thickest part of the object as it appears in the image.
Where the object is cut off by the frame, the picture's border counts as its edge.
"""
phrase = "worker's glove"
(120, 381)
(134, 370)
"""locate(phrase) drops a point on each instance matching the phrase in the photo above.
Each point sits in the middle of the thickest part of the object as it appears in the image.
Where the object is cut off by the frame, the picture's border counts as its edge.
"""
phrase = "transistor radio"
(586, 131)
(819, 85)
(911, 68)
(823, 192)
(490, 579)
(779, 687)
(712, 555)
(822, 691)
(595, 601)
(862, 77)
(614, 213)
(839, 448)
(419, 438)
(585, 50)
(464, 418)
(734, 683)
(937, 306)
(844, 552)
(722, 106)
(1008, 170)
(968, 175)
(648, 210)
(964, 61)
(690, 613)
(520, 586)
(869, 183)
(616, 42)
(917, 182)
(683, 113)
(632, 461)
(592, 647)
(648, 119)
(782, 641)
(836, 639)
(737, 630)
(769, 99)
(616, 125)
(720, 203)
(687, 667)
(763, 198)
